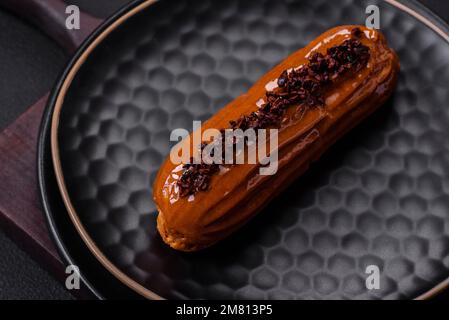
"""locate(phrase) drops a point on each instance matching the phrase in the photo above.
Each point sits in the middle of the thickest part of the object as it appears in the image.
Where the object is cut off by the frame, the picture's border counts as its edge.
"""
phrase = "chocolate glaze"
(235, 195)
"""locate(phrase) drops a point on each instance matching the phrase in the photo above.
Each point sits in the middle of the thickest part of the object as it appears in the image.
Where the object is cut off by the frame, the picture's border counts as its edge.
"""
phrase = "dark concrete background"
(29, 64)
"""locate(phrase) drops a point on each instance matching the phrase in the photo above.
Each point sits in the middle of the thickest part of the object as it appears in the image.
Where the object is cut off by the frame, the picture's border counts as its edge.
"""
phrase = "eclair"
(312, 98)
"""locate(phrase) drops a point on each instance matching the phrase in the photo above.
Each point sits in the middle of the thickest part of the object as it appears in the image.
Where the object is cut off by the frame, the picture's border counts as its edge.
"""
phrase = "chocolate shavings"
(303, 86)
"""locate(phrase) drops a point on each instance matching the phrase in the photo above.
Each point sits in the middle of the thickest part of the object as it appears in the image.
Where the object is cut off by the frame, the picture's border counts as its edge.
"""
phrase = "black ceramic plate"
(378, 197)
(96, 279)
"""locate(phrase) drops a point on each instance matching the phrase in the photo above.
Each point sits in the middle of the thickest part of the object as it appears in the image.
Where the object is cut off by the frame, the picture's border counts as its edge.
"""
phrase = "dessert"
(312, 98)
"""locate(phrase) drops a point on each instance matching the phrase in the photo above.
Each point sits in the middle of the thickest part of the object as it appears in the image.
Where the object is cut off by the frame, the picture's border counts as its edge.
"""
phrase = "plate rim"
(57, 101)
(43, 145)
(43, 195)
(55, 104)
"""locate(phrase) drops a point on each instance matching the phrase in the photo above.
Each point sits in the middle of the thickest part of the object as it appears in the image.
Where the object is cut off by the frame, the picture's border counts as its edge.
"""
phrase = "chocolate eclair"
(312, 98)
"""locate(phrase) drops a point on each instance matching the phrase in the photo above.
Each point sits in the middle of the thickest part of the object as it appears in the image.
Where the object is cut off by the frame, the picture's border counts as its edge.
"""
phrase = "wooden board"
(21, 213)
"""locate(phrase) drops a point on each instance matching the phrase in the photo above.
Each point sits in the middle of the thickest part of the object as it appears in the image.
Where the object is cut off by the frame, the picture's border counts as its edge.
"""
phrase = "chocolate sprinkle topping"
(303, 86)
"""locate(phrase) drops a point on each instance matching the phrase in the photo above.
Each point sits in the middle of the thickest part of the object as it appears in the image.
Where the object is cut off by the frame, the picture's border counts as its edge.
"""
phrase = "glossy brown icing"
(237, 193)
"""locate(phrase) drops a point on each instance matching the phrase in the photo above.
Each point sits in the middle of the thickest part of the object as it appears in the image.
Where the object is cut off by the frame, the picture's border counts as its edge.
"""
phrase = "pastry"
(312, 98)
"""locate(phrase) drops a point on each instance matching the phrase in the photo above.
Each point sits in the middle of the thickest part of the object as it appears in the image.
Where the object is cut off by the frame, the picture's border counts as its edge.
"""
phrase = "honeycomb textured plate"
(379, 197)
